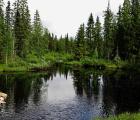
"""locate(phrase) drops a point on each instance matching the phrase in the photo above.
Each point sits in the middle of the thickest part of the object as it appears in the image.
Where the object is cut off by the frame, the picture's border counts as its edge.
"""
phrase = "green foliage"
(58, 57)
(37, 34)
(126, 116)
(22, 27)
(73, 63)
(124, 30)
(2, 31)
(32, 58)
(18, 62)
(111, 45)
(108, 33)
(90, 35)
(87, 61)
(98, 39)
(80, 48)
(96, 54)
(99, 63)
(8, 48)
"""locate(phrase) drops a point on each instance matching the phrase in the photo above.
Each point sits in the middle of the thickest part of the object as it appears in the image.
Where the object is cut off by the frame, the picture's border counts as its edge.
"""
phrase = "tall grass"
(93, 62)
(125, 116)
(34, 61)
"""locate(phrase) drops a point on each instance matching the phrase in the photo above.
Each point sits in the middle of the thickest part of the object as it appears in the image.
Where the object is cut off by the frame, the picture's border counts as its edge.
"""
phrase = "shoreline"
(44, 67)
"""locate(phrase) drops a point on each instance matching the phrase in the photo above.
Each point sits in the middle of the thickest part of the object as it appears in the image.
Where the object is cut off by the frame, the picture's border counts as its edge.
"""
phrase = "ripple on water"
(65, 96)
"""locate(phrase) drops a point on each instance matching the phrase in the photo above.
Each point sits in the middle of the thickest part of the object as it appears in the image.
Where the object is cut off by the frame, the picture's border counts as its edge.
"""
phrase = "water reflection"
(123, 90)
(66, 93)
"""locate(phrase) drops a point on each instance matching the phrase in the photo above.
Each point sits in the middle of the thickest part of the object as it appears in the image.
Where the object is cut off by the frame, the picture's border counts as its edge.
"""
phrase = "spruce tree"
(125, 30)
(27, 29)
(108, 33)
(71, 45)
(61, 44)
(90, 35)
(50, 42)
(80, 49)
(22, 27)
(114, 39)
(98, 37)
(135, 42)
(2, 30)
(67, 43)
(45, 41)
(37, 34)
(55, 43)
(119, 33)
(8, 42)
(18, 34)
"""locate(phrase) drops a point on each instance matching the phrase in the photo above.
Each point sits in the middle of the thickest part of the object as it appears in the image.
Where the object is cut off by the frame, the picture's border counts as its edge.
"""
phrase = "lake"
(64, 93)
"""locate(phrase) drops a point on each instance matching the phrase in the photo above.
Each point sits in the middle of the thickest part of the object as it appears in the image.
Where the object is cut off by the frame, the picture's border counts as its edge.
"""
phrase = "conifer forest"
(94, 74)
(116, 39)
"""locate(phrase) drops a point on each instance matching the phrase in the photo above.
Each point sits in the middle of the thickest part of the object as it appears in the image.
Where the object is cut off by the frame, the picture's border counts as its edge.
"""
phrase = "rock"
(3, 95)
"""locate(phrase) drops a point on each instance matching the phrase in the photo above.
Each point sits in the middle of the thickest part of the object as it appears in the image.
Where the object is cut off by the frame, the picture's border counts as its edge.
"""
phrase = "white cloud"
(65, 16)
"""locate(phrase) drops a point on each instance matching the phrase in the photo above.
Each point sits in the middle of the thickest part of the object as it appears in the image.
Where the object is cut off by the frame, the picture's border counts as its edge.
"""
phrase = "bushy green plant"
(95, 55)
(32, 58)
(50, 57)
(86, 61)
(55, 57)
(17, 62)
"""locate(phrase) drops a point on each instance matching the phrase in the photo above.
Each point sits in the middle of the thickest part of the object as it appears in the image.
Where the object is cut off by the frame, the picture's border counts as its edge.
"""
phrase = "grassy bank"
(33, 62)
(126, 116)
(97, 63)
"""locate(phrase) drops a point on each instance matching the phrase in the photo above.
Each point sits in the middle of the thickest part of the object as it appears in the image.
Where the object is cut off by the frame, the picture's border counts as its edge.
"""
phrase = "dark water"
(69, 94)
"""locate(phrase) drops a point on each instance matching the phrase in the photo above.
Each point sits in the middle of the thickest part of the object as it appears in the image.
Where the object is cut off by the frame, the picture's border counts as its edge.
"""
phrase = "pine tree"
(124, 30)
(8, 16)
(55, 43)
(2, 29)
(108, 33)
(98, 37)
(114, 38)
(45, 41)
(22, 27)
(50, 42)
(135, 42)
(27, 29)
(119, 33)
(8, 42)
(18, 34)
(61, 44)
(90, 35)
(37, 34)
(80, 49)
(67, 43)
(71, 45)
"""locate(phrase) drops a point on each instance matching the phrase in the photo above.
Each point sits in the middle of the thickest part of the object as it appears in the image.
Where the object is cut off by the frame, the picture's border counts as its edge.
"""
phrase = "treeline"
(117, 39)
(19, 36)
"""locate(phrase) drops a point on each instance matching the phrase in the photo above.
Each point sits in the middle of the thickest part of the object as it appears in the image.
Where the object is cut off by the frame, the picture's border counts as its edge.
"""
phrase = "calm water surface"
(69, 94)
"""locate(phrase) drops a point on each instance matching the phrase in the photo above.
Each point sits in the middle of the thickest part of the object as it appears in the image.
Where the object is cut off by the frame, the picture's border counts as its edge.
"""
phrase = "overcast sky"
(65, 16)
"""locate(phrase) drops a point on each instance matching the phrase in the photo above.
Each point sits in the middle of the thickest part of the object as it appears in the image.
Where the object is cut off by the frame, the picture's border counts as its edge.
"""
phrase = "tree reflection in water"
(111, 92)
